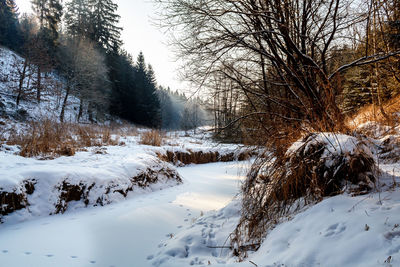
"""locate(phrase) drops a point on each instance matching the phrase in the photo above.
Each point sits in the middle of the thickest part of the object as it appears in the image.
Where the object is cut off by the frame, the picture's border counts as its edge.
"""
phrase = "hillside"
(51, 102)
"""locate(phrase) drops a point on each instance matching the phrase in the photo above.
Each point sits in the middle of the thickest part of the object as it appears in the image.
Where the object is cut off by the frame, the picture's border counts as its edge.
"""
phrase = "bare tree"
(84, 68)
(276, 52)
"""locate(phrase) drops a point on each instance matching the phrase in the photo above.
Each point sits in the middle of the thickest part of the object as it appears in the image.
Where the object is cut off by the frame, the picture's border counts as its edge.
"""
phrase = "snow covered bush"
(317, 166)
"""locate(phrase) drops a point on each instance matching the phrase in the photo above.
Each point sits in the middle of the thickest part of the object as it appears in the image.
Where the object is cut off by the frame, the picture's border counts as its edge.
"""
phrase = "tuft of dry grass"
(152, 138)
(373, 113)
(48, 139)
(278, 187)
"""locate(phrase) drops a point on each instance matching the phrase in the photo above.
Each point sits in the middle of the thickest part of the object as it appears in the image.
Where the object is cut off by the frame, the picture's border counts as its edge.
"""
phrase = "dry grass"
(152, 138)
(48, 139)
(373, 113)
(278, 187)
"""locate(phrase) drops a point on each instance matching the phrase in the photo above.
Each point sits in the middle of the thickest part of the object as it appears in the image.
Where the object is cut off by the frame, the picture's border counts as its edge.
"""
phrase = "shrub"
(318, 166)
(151, 138)
(49, 139)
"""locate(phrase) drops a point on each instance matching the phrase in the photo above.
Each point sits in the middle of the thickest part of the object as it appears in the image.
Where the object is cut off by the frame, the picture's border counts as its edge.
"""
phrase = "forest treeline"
(80, 41)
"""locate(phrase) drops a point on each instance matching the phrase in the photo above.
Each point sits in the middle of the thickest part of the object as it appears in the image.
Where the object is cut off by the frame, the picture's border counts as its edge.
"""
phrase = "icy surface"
(124, 234)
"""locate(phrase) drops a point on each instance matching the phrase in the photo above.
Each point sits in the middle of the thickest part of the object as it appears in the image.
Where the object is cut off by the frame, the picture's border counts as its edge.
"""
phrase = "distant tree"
(148, 106)
(192, 116)
(124, 96)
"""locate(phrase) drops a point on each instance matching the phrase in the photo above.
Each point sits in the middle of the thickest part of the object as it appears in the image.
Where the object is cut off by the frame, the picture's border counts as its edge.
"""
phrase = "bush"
(318, 166)
(151, 138)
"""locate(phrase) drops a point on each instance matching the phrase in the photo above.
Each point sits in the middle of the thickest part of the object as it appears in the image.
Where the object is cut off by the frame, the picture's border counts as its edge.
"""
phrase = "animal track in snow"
(335, 229)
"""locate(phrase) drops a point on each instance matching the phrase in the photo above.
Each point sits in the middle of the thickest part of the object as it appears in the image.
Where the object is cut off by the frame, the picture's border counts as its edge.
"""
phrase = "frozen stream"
(123, 234)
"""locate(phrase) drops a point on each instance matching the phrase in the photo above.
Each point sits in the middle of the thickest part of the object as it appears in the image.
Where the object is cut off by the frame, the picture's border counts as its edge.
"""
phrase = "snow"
(121, 234)
(52, 97)
(179, 225)
(336, 144)
(339, 231)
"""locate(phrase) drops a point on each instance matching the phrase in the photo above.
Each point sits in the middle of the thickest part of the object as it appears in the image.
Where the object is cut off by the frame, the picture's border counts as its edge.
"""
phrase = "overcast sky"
(139, 34)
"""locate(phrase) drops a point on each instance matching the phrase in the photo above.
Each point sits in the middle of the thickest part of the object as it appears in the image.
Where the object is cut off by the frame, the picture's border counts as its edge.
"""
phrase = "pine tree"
(40, 8)
(103, 21)
(53, 16)
(148, 106)
(9, 26)
(77, 18)
(49, 13)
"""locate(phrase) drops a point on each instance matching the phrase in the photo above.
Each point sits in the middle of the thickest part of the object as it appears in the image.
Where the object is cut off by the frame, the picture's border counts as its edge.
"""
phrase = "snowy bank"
(30, 187)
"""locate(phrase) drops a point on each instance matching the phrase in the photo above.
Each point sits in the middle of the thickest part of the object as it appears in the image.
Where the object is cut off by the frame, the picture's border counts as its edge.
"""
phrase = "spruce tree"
(9, 26)
(49, 14)
(77, 17)
(149, 105)
(54, 14)
(103, 21)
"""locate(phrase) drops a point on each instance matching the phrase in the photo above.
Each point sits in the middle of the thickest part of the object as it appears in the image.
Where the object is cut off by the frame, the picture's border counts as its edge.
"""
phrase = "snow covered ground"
(123, 234)
(339, 231)
(181, 226)
(52, 97)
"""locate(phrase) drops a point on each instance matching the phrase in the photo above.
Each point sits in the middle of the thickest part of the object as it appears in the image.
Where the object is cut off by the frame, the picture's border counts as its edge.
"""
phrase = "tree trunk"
(90, 111)
(80, 109)
(64, 104)
(39, 84)
(21, 82)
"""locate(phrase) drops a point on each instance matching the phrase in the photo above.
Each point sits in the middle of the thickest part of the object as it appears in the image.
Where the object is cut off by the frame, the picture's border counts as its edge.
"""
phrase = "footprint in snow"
(46, 223)
(186, 220)
(179, 227)
(49, 255)
(5, 251)
(28, 253)
(74, 257)
(92, 262)
(150, 257)
(335, 229)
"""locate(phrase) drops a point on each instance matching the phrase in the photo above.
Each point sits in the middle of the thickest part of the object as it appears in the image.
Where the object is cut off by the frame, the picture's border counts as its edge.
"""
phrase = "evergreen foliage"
(88, 57)
(103, 23)
(77, 18)
(10, 35)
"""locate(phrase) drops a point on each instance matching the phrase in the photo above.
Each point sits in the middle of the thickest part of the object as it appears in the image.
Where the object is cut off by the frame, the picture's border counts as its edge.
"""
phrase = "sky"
(139, 34)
